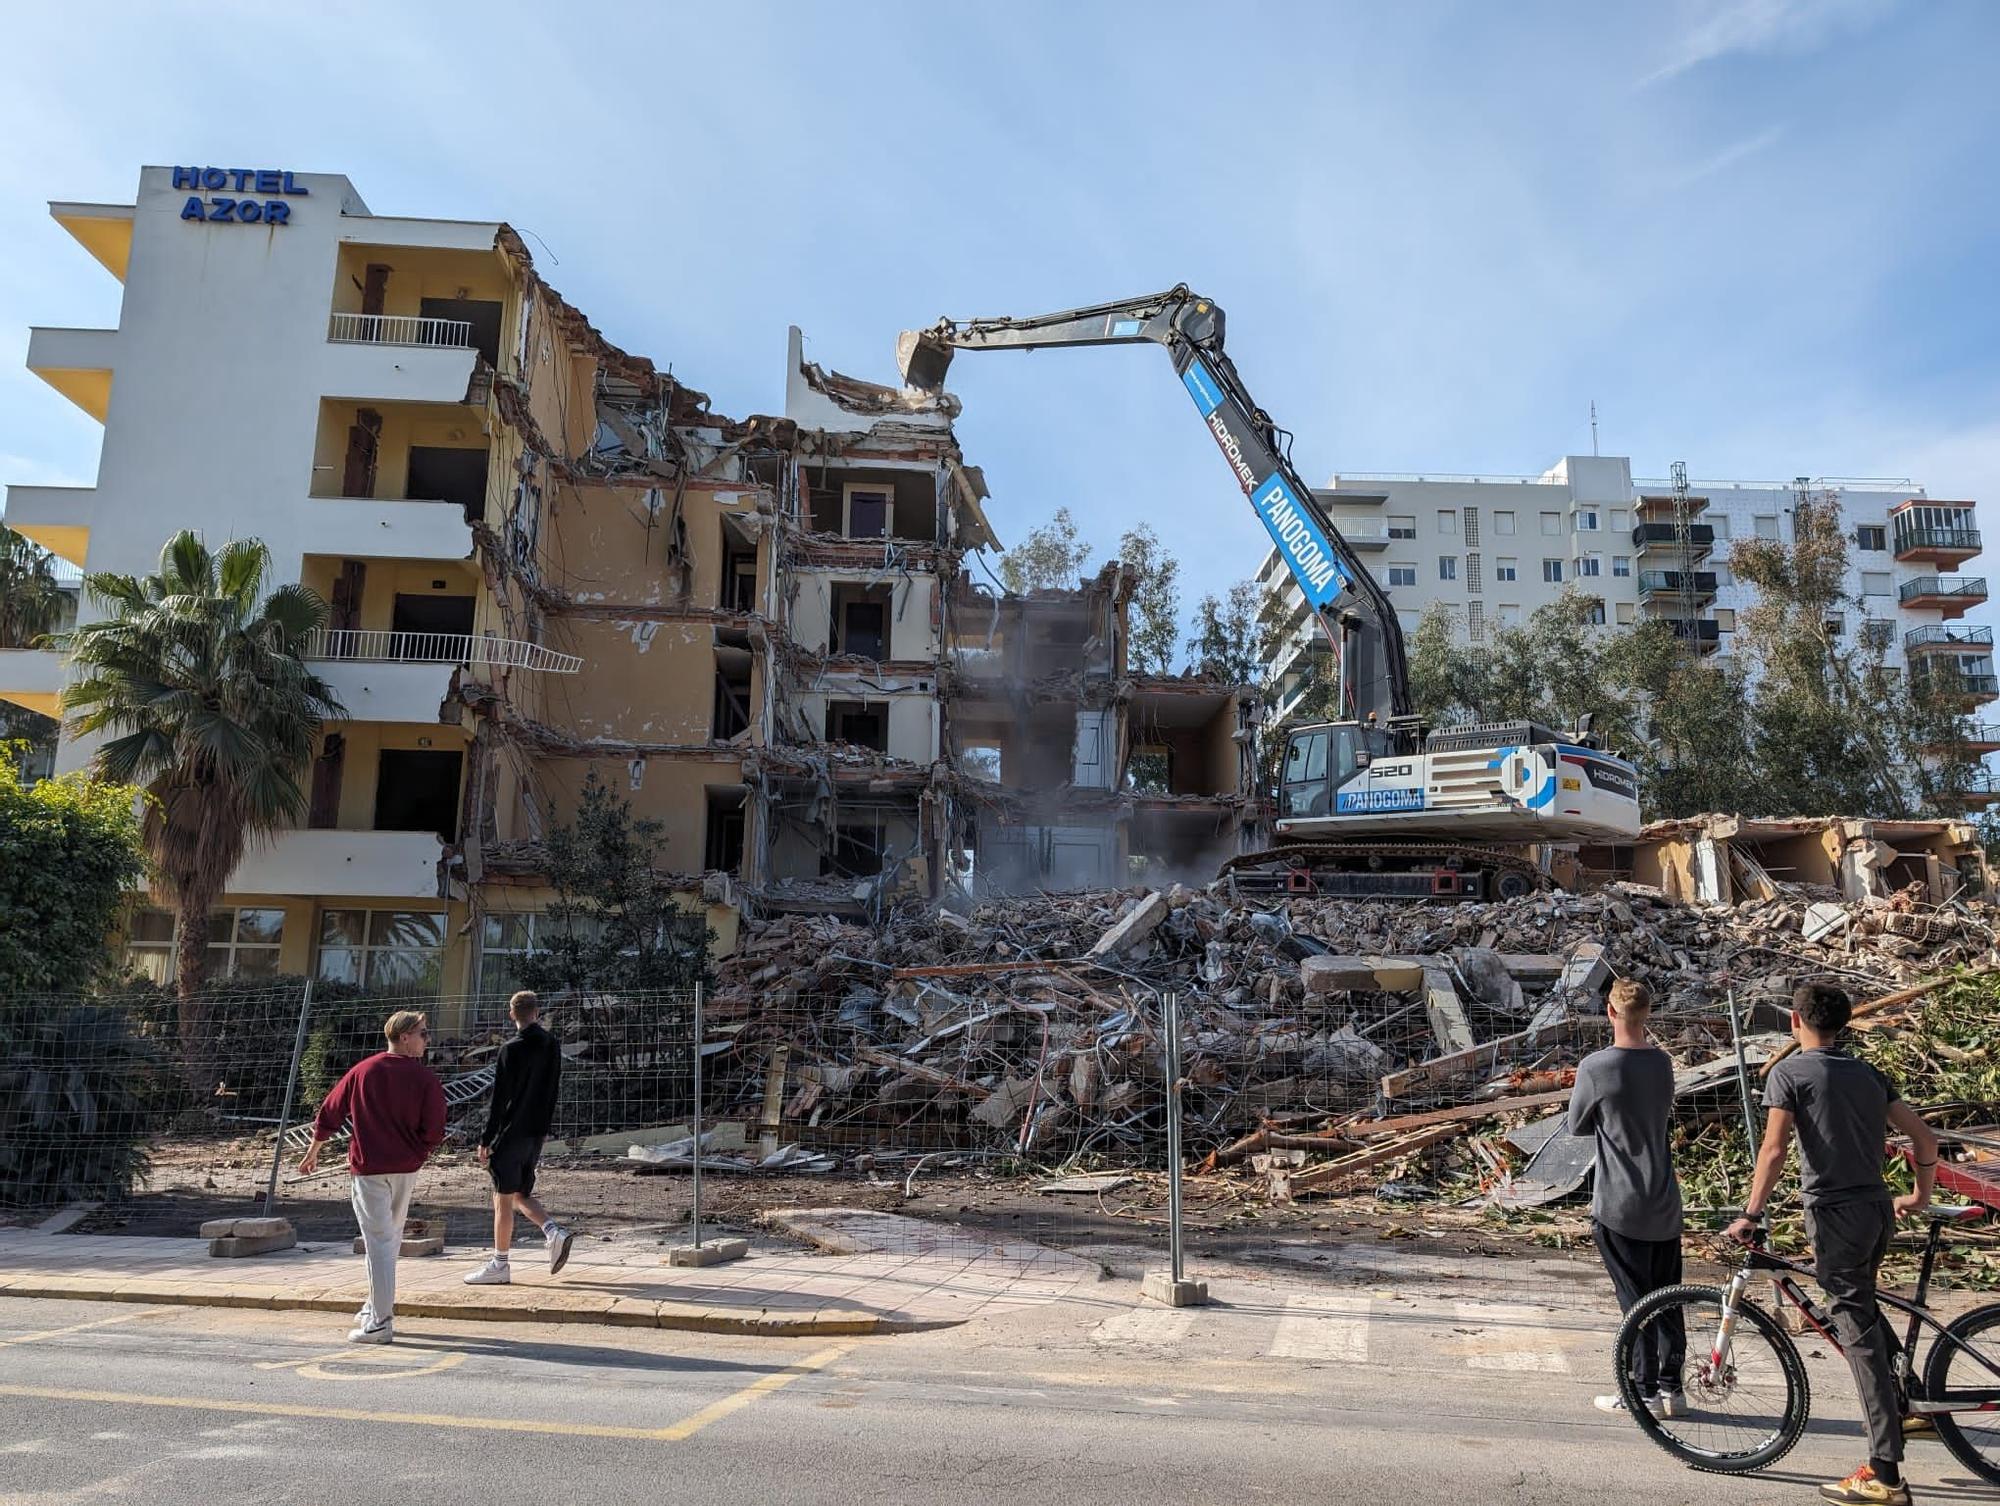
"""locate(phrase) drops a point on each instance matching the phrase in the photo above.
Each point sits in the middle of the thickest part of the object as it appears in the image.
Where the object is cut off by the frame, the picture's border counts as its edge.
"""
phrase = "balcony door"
(417, 790)
(483, 314)
(435, 619)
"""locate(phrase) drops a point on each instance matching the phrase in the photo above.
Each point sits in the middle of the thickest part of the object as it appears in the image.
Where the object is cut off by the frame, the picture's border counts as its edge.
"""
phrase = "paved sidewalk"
(887, 1274)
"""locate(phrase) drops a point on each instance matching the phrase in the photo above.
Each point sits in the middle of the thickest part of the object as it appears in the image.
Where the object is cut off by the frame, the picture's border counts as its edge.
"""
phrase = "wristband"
(1925, 1165)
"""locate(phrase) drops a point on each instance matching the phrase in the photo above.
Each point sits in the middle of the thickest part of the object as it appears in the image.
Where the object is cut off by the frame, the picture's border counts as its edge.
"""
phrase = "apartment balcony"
(404, 677)
(77, 363)
(32, 677)
(1934, 636)
(1979, 738)
(1663, 539)
(1969, 686)
(349, 864)
(1947, 548)
(1657, 584)
(59, 518)
(1980, 791)
(362, 528)
(104, 230)
(1952, 595)
(1705, 631)
(399, 358)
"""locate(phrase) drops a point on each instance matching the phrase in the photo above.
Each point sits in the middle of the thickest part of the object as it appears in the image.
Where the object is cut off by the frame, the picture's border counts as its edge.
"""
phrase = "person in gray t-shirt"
(1842, 1110)
(1623, 1099)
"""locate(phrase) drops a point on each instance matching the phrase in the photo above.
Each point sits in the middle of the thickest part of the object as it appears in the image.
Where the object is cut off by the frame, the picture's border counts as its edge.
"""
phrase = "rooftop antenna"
(1593, 426)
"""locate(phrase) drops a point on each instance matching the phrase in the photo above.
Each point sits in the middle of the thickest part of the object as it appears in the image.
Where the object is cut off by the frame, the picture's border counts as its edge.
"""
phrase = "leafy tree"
(69, 848)
(1228, 641)
(1156, 603)
(31, 598)
(1052, 557)
(199, 679)
(616, 922)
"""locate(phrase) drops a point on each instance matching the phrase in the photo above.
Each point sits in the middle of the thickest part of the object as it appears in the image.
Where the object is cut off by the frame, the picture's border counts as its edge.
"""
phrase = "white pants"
(380, 1205)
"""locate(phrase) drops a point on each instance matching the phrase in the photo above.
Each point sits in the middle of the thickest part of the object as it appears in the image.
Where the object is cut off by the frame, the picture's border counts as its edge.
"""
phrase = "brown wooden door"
(345, 615)
(364, 444)
(325, 812)
(374, 288)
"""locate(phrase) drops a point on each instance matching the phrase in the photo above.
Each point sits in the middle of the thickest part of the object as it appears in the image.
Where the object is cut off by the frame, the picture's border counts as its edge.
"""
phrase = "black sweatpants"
(1639, 1267)
(1849, 1241)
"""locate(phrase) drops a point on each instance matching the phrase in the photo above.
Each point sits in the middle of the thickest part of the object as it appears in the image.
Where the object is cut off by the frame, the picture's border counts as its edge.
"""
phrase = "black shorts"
(512, 1165)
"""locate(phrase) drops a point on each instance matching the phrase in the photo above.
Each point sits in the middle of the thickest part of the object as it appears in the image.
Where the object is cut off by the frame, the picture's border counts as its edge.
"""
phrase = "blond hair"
(527, 1001)
(402, 1022)
(1630, 996)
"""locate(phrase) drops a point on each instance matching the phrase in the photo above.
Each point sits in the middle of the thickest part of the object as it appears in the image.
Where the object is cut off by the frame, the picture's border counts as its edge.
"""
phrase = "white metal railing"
(399, 329)
(378, 647)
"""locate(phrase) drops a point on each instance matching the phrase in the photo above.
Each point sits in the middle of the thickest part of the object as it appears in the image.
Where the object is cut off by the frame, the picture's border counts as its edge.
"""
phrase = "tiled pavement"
(891, 1275)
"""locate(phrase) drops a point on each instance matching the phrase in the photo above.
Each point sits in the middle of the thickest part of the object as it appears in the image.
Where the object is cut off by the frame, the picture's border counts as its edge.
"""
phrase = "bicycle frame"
(1783, 1275)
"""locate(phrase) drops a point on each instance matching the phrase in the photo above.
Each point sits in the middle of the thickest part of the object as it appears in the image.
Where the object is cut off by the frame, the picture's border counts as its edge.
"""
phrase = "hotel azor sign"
(238, 195)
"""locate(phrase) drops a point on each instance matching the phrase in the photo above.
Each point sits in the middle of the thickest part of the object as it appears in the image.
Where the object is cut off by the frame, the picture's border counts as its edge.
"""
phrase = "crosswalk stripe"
(1318, 1326)
(1146, 1325)
(1515, 1338)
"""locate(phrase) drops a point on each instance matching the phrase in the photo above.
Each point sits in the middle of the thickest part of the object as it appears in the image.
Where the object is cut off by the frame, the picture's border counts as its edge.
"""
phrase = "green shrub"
(80, 1092)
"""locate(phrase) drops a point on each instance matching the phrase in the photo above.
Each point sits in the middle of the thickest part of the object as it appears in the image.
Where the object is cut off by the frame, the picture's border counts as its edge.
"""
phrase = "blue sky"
(1761, 235)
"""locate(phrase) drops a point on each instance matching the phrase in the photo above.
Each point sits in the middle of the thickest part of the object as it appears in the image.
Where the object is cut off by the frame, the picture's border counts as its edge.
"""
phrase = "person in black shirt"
(525, 1079)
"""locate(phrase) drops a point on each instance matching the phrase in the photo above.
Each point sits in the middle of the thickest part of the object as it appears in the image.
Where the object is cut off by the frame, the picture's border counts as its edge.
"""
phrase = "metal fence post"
(1172, 1011)
(291, 1086)
(1742, 1074)
(697, 1114)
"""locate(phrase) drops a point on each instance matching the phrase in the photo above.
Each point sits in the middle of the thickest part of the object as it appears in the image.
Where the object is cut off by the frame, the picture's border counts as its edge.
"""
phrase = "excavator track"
(1384, 870)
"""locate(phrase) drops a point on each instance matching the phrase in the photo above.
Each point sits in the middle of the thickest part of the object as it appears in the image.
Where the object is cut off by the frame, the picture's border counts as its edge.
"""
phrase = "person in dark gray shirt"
(1842, 1109)
(1623, 1099)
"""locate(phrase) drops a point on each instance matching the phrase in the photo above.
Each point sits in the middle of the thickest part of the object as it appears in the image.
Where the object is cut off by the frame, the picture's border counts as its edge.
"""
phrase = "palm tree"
(31, 598)
(199, 679)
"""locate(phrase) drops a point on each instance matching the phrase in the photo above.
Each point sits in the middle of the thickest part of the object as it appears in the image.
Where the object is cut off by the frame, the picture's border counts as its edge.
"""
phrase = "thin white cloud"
(1765, 26)
(1728, 157)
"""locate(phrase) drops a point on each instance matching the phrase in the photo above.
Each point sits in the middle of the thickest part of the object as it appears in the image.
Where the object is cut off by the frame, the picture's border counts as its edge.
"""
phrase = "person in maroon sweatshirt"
(394, 1105)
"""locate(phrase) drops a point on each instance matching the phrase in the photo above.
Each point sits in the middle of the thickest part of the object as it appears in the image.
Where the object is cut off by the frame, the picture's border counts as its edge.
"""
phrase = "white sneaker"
(559, 1242)
(1670, 1404)
(496, 1272)
(1615, 1404)
(376, 1333)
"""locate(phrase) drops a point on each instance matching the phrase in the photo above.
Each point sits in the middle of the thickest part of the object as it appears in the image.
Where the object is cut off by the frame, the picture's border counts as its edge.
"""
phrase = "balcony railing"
(378, 647)
(1962, 587)
(1943, 635)
(1704, 630)
(1653, 582)
(1663, 535)
(1938, 540)
(399, 329)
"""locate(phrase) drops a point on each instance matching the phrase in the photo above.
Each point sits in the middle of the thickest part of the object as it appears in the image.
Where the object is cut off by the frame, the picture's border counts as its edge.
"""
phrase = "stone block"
(233, 1246)
(1337, 975)
(430, 1244)
(709, 1252)
(1143, 919)
(245, 1228)
(1160, 1286)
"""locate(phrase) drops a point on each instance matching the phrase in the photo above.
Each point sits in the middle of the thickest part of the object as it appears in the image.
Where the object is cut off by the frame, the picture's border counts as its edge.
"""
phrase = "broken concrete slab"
(1447, 1014)
(708, 1252)
(232, 1247)
(1386, 975)
(245, 1228)
(1139, 923)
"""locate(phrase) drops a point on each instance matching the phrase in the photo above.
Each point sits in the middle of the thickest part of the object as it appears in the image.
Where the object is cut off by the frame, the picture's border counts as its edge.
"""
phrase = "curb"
(603, 1312)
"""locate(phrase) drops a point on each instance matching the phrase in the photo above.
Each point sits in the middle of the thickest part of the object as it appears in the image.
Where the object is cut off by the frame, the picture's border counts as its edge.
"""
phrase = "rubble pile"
(1355, 1031)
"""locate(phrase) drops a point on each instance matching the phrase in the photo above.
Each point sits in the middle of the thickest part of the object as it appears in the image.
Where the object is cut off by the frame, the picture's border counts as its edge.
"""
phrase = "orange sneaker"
(1862, 1489)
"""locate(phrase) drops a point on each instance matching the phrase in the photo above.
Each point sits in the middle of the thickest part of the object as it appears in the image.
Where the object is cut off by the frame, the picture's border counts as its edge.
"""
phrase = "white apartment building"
(1492, 549)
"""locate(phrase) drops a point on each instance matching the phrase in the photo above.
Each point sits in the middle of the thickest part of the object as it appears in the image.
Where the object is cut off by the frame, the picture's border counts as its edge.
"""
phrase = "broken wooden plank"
(1477, 1059)
(1361, 1160)
(1457, 1114)
(1447, 1015)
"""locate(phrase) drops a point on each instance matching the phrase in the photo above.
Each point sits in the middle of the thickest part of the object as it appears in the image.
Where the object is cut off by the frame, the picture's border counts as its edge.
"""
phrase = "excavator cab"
(1319, 760)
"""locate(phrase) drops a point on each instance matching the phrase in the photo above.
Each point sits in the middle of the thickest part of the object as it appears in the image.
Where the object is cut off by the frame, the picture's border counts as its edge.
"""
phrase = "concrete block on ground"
(432, 1244)
(245, 1228)
(1143, 919)
(233, 1246)
(1336, 975)
(1160, 1286)
(709, 1252)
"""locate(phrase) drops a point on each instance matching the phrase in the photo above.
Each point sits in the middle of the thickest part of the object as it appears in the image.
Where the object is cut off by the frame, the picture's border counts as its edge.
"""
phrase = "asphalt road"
(1397, 1401)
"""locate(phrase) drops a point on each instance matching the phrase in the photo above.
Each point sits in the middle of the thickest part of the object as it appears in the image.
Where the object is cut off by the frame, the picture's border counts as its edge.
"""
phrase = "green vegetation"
(69, 848)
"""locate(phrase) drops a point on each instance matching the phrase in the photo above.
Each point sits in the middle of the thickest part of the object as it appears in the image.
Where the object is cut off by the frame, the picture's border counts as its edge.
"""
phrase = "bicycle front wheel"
(1964, 1368)
(1744, 1409)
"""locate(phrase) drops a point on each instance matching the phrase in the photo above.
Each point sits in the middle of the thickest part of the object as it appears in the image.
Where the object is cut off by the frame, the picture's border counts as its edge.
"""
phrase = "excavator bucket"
(923, 359)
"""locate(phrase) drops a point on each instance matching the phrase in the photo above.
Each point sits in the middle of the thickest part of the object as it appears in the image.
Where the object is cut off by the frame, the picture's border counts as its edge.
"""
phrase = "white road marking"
(1153, 1326)
(1511, 1337)
(1319, 1326)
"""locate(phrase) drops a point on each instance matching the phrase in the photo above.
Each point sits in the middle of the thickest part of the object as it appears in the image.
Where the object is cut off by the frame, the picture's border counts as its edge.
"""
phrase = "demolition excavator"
(1375, 803)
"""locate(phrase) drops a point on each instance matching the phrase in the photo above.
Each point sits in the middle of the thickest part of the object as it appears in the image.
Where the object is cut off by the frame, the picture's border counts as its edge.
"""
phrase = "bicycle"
(1747, 1392)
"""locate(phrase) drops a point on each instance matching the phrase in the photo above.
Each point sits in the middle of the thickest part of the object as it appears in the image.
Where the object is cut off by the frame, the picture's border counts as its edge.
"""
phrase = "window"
(1591, 565)
(1506, 569)
(1873, 537)
(1766, 525)
(1503, 523)
(1627, 614)
(1447, 567)
(1447, 521)
(1597, 614)
(1472, 573)
(241, 943)
(1402, 528)
(1621, 565)
(1402, 575)
(870, 512)
(1722, 575)
(1552, 571)
(1720, 523)
(1471, 527)
(861, 723)
(1586, 520)
(392, 949)
(503, 941)
(861, 621)
(1552, 525)
(1621, 520)
(1876, 633)
(1509, 614)
(1876, 583)
(1836, 624)
(1725, 619)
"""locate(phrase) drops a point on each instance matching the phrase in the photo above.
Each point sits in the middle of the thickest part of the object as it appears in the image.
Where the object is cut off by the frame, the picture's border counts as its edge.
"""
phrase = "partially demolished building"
(546, 558)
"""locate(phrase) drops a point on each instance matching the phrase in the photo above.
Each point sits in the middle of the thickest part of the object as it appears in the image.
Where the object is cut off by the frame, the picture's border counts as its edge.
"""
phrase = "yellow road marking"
(56, 1333)
(313, 1366)
(673, 1434)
